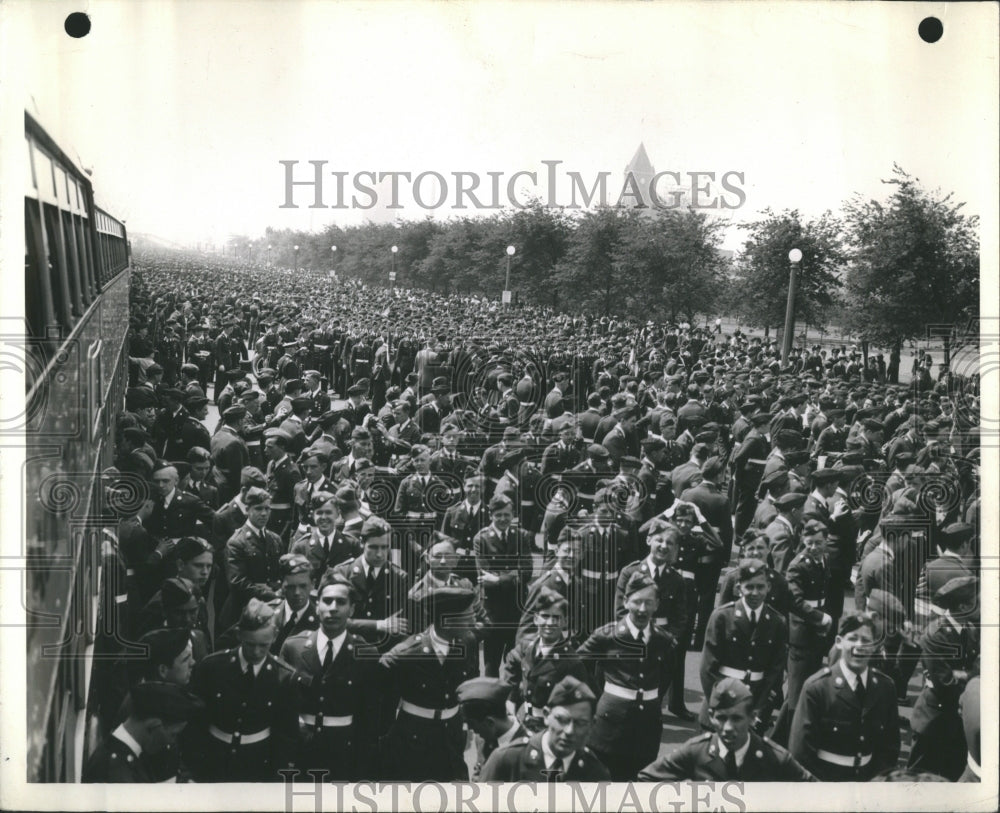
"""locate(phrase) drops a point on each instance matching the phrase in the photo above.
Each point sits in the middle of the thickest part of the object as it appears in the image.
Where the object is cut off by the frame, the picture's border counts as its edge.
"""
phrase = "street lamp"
(333, 271)
(296, 259)
(392, 274)
(506, 284)
(794, 257)
(269, 247)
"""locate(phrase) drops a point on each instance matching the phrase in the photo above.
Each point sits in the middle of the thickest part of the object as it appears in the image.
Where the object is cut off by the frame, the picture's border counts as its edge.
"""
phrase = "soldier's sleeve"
(774, 672)
(237, 559)
(886, 747)
(677, 765)
(795, 577)
(790, 770)
(511, 672)
(499, 766)
(715, 635)
(677, 611)
(285, 721)
(802, 741)
(620, 585)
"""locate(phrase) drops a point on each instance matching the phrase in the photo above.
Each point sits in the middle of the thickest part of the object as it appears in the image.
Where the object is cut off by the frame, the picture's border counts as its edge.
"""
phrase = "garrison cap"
(139, 398)
(190, 547)
(165, 644)
(955, 592)
(570, 690)
(251, 475)
(235, 412)
(154, 369)
(651, 444)
(639, 580)
(727, 693)
(176, 594)
(825, 476)
(957, 532)
(256, 497)
(814, 526)
(277, 434)
(790, 501)
(749, 568)
(486, 690)
(354, 389)
(443, 600)
(195, 401)
(374, 527)
(511, 432)
(301, 402)
(796, 457)
(166, 701)
(597, 450)
(291, 563)
(778, 476)
(886, 604)
(873, 425)
(760, 418)
(629, 462)
(135, 434)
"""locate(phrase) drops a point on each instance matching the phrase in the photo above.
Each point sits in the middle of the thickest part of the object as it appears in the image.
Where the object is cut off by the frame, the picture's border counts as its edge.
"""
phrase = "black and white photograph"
(499, 405)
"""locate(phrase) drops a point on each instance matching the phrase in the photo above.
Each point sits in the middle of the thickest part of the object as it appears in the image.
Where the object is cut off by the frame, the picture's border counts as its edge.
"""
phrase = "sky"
(184, 109)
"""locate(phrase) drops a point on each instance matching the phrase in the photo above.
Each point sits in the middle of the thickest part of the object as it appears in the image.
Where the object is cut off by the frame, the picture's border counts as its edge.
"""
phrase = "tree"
(760, 283)
(914, 263)
(593, 272)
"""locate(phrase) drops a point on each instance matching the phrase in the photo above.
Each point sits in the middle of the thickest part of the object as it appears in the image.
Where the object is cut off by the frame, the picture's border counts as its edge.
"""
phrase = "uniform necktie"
(859, 691)
(732, 769)
(372, 578)
(640, 636)
(328, 658)
(289, 625)
(753, 621)
(248, 678)
(553, 770)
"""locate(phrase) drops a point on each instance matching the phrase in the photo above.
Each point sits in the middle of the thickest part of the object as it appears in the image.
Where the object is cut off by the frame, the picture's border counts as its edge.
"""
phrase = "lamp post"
(269, 247)
(392, 273)
(794, 257)
(333, 271)
(506, 285)
(296, 259)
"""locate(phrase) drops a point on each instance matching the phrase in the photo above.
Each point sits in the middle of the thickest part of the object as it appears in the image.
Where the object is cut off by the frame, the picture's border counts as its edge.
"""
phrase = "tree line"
(883, 269)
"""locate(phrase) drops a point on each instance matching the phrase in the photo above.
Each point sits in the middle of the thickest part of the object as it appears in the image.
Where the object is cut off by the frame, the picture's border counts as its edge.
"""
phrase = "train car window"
(37, 284)
(72, 264)
(83, 257)
(57, 266)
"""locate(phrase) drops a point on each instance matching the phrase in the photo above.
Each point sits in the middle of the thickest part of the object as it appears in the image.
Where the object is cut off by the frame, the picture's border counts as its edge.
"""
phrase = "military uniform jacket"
(225, 522)
(559, 457)
(524, 761)
(747, 471)
(628, 725)
(185, 516)
(192, 432)
(302, 494)
(784, 542)
(305, 621)
(310, 544)
(415, 747)
(508, 556)
(605, 550)
(807, 578)
(699, 759)
(252, 563)
(463, 525)
(671, 614)
(945, 650)
(233, 707)
(114, 762)
(229, 456)
(281, 479)
(714, 506)
(778, 597)
(829, 720)
(730, 643)
(347, 689)
(203, 490)
(532, 675)
(417, 497)
(570, 587)
(386, 597)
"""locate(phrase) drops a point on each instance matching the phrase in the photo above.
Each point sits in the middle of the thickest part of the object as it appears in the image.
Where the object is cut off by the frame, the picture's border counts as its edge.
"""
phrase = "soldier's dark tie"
(286, 630)
(248, 678)
(552, 770)
(732, 769)
(370, 579)
(753, 622)
(328, 658)
(860, 691)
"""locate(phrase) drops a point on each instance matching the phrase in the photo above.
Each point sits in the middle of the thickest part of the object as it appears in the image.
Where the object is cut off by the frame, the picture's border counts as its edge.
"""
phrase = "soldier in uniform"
(336, 702)
(846, 723)
(782, 533)
(539, 661)
(558, 753)
(252, 555)
(248, 731)
(297, 613)
(747, 640)
(426, 740)
(322, 542)
(809, 626)
(282, 476)
(755, 546)
(192, 431)
(503, 559)
(196, 481)
(605, 549)
(950, 657)
(748, 468)
(159, 713)
(632, 659)
(484, 708)
(230, 454)
(733, 753)
(381, 587)
(671, 613)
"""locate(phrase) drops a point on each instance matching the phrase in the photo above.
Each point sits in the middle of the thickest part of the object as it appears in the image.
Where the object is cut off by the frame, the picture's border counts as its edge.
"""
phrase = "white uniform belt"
(427, 714)
(687, 574)
(740, 674)
(812, 603)
(130, 571)
(244, 739)
(660, 622)
(281, 506)
(326, 722)
(534, 711)
(629, 694)
(599, 574)
(842, 759)
(121, 598)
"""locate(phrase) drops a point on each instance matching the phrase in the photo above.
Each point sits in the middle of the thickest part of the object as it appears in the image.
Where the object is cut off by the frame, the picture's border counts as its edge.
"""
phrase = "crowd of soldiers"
(425, 521)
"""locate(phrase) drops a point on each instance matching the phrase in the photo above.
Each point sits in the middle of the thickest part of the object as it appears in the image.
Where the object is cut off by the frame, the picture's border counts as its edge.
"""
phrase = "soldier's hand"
(395, 625)
(960, 675)
(165, 546)
(490, 578)
(827, 620)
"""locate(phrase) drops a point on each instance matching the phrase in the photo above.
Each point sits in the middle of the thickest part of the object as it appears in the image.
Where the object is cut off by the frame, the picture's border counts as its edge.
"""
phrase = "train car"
(77, 276)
